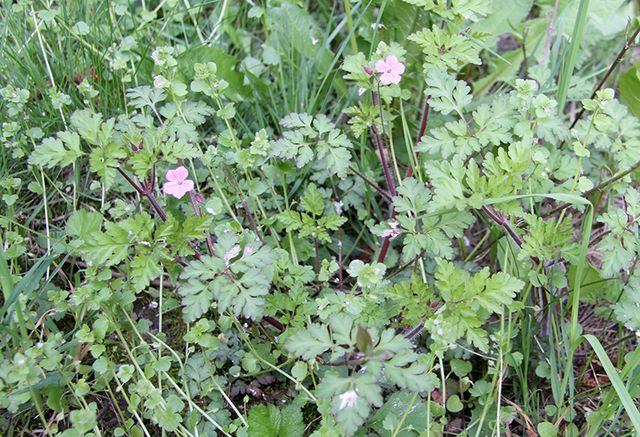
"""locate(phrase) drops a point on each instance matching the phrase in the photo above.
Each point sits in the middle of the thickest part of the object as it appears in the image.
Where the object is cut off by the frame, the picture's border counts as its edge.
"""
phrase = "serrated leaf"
(310, 342)
(62, 151)
(447, 94)
(269, 421)
(312, 200)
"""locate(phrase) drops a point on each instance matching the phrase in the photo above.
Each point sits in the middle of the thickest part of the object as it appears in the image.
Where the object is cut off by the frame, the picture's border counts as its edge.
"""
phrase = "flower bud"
(368, 70)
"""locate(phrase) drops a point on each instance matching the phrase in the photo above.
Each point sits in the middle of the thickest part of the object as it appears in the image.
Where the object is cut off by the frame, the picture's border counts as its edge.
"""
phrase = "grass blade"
(567, 68)
(616, 382)
(27, 284)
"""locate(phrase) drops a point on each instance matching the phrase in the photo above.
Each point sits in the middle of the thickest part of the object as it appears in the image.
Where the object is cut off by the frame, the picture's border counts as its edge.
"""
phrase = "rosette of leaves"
(238, 277)
(314, 140)
(375, 359)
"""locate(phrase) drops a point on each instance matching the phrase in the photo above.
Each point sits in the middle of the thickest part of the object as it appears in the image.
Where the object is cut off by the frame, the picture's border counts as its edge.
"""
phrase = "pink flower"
(177, 183)
(391, 70)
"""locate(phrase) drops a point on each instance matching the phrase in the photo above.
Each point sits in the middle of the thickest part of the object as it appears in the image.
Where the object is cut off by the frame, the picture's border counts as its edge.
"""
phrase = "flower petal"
(381, 66)
(389, 78)
(398, 68)
(187, 184)
(391, 61)
(181, 173)
(170, 187)
(179, 191)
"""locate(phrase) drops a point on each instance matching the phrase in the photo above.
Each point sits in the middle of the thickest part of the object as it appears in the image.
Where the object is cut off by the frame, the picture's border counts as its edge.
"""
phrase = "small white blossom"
(232, 253)
(348, 399)
(160, 81)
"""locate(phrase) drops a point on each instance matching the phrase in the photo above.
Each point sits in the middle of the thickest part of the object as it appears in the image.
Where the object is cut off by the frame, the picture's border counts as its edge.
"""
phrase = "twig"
(413, 332)
(146, 191)
(383, 161)
(501, 220)
(380, 144)
(245, 206)
(376, 187)
(598, 187)
(273, 322)
(627, 45)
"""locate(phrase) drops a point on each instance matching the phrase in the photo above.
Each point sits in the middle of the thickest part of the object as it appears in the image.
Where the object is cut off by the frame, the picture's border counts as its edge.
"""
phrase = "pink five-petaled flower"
(391, 70)
(177, 183)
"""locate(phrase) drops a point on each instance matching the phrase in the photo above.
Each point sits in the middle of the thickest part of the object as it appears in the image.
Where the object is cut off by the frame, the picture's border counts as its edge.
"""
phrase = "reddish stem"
(340, 261)
(247, 210)
(196, 211)
(423, 127)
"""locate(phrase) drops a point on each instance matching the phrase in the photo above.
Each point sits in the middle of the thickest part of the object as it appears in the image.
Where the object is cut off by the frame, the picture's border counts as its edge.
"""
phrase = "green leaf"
(308, 138)
(460, 368)
(363, 340)
(546, 429)
(443, 47)
(630, 89)
(84, 420)
(144, 268)
(237, 282)
(351, 398)
(454, 404)
(447, 94)
(626, 310)
(269, 421)
(310, 342)
(397, 405)
(312, 201)
(87, 123)
(225, 63)
(62, 151)
(369, 275)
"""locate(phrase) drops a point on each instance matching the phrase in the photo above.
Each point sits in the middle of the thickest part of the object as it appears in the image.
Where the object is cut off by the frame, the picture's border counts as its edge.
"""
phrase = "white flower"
(232, 253)
(160, 81)
(348, 399)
